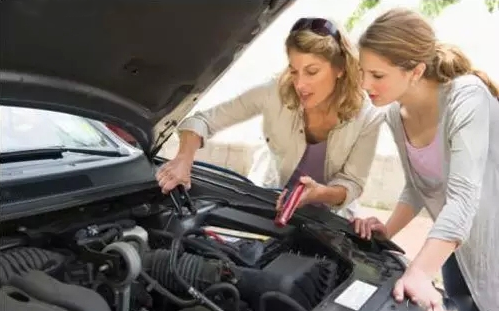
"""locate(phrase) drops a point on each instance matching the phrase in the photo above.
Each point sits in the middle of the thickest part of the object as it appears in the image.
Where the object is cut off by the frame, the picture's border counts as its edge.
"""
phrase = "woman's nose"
(366, 83)
(300, 83)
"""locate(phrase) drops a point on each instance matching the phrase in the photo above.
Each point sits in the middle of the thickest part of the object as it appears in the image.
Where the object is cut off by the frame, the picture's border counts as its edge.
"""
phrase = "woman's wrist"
(333, 195)
(390, 230)
(433, 255)
(186, 156)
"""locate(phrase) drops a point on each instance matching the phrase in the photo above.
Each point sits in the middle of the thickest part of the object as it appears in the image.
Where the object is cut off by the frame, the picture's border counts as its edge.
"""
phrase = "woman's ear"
(418, 71)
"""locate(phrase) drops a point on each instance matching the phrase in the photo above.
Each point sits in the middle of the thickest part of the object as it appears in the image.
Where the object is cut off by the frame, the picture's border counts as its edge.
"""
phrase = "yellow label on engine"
(236, 233)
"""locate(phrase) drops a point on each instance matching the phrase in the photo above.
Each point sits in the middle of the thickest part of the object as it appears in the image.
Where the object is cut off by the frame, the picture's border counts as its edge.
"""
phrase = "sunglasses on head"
(318, 26)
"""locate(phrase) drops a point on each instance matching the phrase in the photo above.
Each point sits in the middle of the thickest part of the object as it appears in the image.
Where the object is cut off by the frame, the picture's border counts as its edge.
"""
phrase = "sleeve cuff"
(408, 197)
(451, 228)
(196, 125)
(353, 191)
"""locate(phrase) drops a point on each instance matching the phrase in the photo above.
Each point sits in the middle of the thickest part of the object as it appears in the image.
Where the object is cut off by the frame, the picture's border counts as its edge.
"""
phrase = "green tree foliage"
(364, 6)
(492, 5)
(433, 8)
(430, 8)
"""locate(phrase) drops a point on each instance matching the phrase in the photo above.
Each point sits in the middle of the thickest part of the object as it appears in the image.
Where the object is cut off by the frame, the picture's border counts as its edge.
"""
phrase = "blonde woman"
(445, 121)
(319, 127)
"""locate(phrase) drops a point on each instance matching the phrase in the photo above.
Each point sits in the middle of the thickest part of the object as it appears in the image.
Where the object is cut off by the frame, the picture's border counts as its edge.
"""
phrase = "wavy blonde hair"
(348, 95)
(406, 39)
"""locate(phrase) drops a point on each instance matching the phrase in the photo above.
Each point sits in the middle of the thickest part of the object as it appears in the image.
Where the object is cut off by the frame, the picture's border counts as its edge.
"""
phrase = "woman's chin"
(309, 104)
(379, 102)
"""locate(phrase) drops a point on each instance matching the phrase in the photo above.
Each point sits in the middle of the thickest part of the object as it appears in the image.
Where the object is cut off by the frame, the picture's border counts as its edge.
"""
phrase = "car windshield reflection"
(31, 129)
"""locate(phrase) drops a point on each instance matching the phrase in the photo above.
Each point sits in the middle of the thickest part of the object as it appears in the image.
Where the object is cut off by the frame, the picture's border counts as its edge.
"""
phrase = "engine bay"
(147, 257)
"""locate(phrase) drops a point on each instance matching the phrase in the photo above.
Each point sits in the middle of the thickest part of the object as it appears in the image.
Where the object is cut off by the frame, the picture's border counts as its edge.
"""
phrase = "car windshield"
(30, 129)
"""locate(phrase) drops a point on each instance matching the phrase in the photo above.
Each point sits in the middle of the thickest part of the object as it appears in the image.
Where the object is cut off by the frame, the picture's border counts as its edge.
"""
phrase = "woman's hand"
(175, 172)
(418, 287)
(368, 227)
(311, 193)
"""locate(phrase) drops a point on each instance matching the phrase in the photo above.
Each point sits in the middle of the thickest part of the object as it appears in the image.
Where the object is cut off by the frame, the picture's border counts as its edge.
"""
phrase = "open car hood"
(139, 64)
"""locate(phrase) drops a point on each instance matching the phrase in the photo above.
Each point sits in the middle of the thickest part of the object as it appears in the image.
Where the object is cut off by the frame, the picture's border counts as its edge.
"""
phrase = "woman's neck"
(421, 99)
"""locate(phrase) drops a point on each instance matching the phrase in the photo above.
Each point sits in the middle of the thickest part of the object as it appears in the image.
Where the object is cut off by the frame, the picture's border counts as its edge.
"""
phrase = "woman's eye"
(377, 77)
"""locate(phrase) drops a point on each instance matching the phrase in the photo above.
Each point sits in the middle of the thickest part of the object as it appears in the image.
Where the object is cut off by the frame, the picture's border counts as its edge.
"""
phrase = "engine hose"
(292, 304)
(23, 259)
(192, 302)
(223, 252)
(169, 295)
(225, 249)
(195, 245)
(102, 234)
(227, 287)
(160, 270)
(197, 270)
(176, 246)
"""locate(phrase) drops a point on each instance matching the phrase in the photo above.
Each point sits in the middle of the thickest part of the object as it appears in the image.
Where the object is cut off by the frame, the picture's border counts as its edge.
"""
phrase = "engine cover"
(307, 280)
(36, 290)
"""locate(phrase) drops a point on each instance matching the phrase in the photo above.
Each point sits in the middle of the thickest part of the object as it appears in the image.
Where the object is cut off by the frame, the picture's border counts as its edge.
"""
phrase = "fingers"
(426, 297)
(306, 180)
(358, 224)
(377, 228)
(167, 183)
(365, 227)
(436, 302)
(398, 290)
(167, 179)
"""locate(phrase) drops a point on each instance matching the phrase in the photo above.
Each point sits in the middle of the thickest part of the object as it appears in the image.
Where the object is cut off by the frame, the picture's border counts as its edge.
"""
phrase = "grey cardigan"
(465, 207)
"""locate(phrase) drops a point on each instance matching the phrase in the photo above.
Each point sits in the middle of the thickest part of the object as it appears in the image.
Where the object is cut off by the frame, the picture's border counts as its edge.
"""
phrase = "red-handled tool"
(289, 207)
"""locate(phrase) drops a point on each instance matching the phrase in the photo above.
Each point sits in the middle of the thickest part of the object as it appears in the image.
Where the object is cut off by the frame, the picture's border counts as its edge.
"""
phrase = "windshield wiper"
(54, 153)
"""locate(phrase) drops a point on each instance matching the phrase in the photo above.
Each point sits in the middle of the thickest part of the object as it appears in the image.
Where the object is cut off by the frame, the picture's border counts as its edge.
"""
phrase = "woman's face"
(314, 78)
(384, 82)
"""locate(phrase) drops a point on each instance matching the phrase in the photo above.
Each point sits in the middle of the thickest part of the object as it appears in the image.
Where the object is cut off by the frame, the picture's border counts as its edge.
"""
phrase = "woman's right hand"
(368, 227)
(175, 172)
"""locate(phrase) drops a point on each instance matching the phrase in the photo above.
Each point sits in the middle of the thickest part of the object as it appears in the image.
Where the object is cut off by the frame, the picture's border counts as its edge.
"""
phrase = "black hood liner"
(130, 62)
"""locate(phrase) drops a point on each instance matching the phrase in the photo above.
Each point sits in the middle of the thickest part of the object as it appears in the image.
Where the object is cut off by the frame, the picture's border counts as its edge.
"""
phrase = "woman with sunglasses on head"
(444, 118)
(320, 127)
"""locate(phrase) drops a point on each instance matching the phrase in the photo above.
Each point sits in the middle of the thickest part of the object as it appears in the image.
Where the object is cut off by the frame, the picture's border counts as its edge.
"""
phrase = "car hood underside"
(140, 64)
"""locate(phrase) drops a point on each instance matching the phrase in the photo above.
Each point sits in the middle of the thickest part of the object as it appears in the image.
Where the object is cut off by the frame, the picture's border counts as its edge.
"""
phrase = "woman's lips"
(305, 97)
(372, 96)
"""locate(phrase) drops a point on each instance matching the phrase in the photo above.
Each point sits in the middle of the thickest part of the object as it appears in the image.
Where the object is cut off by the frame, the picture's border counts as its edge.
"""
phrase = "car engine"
(121, 266)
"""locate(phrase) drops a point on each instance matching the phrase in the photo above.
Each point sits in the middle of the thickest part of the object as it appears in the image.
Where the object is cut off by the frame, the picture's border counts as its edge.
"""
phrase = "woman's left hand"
(310, 194)
(418, 287)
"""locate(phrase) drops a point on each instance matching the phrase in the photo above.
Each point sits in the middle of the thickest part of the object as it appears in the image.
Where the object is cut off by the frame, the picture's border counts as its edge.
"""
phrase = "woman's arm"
(245, 106)
(409, 205)
(400, 218)
(189, 143)
(469, 139)
(348, 184)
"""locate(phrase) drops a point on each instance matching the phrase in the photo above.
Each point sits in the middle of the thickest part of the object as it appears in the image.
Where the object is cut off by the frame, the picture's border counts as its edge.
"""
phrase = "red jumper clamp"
(289, 207)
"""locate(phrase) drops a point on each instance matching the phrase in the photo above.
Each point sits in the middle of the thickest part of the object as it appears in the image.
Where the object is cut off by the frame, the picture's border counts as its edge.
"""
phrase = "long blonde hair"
(406, 39)
(348, 95)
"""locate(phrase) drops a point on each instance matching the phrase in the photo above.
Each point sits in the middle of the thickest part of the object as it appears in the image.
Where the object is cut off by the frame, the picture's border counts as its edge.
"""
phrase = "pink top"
(427, 161)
